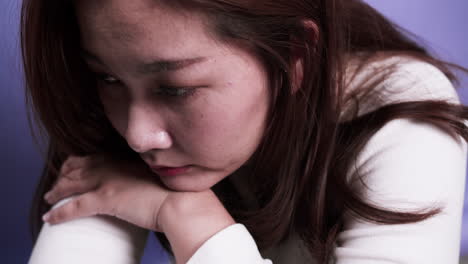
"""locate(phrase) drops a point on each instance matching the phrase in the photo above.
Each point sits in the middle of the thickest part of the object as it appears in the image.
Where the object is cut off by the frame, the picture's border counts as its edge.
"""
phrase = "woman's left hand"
(124, 189)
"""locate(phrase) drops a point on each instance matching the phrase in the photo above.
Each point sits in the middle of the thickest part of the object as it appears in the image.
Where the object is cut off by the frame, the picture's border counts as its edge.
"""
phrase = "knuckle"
(107, 192)
(70, 164)
(52, 217)
(68, 210)
(74, 175)
(72, 209)
(66, 165)
(59, 183)
(76, 205)
(57, 215)
(58, 191)
(53, 196)
(112, 211)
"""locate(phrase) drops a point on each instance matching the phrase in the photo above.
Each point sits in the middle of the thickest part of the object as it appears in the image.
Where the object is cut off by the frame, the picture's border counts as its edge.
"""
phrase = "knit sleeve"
(97, 239)
(409, 165)
(232, 245)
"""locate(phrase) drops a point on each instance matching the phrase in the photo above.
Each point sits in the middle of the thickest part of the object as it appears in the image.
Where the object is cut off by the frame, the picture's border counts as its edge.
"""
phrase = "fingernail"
(45, 217)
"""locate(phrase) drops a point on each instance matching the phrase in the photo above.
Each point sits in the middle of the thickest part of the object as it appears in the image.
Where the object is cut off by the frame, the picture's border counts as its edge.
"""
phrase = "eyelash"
(170, 91)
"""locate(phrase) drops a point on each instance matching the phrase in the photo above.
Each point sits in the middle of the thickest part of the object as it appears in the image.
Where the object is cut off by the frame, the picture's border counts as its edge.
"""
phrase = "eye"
(172, 91)
(106, 79)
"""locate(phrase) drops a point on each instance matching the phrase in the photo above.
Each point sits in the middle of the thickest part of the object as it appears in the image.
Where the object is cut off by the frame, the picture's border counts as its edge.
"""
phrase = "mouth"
(170, 171)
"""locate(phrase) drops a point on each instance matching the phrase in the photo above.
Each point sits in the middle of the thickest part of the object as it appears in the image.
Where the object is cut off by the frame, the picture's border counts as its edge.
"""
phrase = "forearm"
(77, 241)
(190, 219)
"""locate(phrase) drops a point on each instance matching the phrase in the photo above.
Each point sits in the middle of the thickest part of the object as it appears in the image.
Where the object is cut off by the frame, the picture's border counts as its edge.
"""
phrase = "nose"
(145, 130)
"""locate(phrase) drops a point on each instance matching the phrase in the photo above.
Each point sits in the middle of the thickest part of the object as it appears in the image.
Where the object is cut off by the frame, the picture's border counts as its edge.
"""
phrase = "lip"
(170, 171)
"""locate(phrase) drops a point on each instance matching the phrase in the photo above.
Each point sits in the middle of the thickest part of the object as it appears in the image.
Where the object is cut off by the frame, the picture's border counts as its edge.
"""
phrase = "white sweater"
(408, 165)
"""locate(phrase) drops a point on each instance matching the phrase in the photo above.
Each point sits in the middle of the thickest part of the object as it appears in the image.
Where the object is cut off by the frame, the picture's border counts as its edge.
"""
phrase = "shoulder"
(403, 79)
(408, 165)
(392, 80)
(408, 145)
(405, 153)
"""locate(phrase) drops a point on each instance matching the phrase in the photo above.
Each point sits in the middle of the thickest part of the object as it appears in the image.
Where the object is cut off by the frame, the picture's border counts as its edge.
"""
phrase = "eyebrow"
(157, 66)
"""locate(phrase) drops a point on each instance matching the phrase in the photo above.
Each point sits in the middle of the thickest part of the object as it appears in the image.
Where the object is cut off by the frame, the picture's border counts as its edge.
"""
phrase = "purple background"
(441, 23)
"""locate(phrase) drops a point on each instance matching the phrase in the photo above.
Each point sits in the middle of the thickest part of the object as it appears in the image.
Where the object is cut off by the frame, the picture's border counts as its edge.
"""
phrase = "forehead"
(139, 25)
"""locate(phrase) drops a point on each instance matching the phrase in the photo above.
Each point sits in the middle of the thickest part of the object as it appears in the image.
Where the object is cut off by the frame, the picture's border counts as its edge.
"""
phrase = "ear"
(297, 63)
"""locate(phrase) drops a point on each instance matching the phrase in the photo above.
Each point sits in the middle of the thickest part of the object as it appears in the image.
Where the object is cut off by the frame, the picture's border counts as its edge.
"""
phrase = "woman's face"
(179, 97)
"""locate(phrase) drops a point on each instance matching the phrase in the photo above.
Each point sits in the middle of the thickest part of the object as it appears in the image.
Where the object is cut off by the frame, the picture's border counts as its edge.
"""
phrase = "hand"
(125, 189)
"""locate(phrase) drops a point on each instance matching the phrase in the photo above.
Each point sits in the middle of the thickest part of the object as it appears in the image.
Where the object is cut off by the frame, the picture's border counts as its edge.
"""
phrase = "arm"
(95, 240)
(205, 232)
(77, 234)
(408, 166)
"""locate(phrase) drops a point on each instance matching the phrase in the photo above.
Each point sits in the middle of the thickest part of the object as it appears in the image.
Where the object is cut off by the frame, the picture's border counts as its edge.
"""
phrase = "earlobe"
(297, 64)
(297, 75)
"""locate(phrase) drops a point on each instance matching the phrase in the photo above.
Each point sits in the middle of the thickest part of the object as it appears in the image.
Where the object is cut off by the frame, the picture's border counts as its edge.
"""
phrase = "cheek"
(227, 129)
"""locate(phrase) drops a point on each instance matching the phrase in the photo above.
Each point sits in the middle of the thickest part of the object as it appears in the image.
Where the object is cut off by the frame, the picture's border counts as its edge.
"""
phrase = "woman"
(295, 131)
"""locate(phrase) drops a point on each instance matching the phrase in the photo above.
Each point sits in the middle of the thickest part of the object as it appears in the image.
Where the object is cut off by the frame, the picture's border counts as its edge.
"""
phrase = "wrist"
(183, 207)
(188, 219)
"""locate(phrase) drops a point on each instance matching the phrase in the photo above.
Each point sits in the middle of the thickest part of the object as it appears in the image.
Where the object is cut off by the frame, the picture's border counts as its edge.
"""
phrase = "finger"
(84, 205)
(72, 184)
(72, 163)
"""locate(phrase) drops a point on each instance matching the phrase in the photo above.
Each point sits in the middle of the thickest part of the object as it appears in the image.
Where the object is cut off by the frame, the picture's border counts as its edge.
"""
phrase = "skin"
(215, 129)
(108, 187)
(214, 121)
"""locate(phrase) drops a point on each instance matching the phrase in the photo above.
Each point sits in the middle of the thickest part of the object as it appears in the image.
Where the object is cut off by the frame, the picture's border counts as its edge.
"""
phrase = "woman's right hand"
(106, 186)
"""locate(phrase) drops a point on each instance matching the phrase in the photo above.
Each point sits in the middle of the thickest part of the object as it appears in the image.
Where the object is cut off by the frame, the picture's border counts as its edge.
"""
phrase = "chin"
(186, 183)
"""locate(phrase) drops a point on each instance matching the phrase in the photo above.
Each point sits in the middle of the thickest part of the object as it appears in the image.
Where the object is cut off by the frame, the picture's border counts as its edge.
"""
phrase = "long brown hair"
(300, 166)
